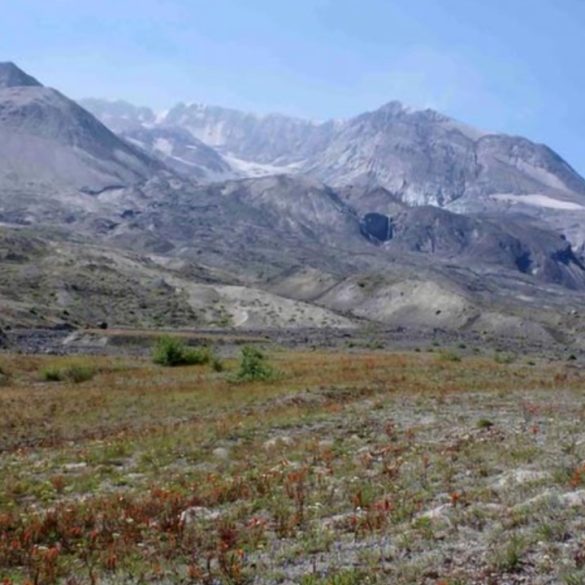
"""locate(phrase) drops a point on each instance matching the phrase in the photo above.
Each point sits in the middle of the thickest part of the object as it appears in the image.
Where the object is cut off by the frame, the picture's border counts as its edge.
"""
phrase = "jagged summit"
(394, 107)
(13, 76)
(397, 109)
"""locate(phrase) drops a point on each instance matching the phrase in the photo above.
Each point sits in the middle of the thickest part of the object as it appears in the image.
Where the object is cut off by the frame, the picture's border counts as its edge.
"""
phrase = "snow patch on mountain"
(160, 117)
(252, 169)
(163, 145)
(538, 201)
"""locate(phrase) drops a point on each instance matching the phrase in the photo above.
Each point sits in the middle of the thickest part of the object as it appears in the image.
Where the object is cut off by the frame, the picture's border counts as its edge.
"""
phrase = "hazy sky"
(504, 65)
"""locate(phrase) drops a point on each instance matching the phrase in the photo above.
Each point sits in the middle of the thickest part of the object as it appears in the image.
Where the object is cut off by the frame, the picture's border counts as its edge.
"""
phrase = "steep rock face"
(274, 139)
(181, 151)
(422, 157)
(365, 199)
(426, 158)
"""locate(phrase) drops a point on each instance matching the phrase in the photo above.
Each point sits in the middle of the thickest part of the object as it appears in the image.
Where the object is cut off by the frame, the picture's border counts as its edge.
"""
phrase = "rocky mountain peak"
(393, 107)
(397, 110)
(13, 76)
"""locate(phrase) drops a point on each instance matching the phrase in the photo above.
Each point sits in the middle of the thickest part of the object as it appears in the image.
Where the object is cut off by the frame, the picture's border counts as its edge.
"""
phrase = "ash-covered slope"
(50, 143)
(47, 280)
(252, 227)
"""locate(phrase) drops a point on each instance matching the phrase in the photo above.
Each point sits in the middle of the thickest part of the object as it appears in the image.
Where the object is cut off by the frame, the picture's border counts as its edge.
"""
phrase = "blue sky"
(515, 66)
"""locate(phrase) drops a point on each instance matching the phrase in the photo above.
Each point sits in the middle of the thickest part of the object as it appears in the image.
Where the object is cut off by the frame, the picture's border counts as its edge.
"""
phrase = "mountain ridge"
(340, 220)
(380, 148)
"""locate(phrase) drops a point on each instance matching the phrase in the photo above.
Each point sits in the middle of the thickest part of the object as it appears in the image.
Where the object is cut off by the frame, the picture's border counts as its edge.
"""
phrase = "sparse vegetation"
(508, 556)
(358, 467)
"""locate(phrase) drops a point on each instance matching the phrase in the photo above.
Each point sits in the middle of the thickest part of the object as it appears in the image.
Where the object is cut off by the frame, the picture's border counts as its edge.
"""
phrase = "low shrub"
(75, 373)
(170, 351)
(78, 374)
(52, 374)
(254, 366)
(217, 365)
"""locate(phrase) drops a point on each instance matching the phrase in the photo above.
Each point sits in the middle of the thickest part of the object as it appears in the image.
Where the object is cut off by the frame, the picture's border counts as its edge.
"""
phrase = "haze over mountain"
(351, 219)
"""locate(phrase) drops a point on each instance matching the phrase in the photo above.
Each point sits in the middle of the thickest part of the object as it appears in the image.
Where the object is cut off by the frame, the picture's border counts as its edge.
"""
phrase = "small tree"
(253, 366)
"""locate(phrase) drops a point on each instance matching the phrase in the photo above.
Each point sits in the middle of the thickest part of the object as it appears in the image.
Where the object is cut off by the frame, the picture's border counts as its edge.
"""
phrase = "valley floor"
(364, 466)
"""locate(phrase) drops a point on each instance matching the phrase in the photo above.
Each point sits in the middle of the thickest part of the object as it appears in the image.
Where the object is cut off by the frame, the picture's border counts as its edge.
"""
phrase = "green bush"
(52, 374)
(254, 367)
(170, 351)
(74, 373)
(78, 374)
